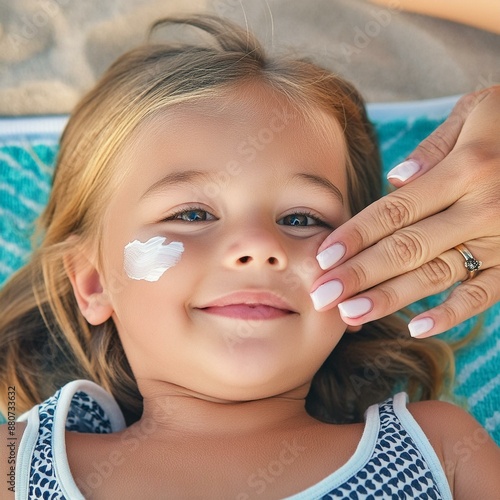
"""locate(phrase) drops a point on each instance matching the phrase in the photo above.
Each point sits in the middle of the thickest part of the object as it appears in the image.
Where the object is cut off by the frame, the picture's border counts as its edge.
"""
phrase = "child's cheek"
(303, 270)
(149, 260)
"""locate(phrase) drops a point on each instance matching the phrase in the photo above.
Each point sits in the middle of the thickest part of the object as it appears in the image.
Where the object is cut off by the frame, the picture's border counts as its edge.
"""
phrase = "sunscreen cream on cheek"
(149, 260)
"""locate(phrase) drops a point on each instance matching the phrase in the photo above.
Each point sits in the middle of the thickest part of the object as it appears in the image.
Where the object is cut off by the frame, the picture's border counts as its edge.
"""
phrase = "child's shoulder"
(470, 458)
(442, 421)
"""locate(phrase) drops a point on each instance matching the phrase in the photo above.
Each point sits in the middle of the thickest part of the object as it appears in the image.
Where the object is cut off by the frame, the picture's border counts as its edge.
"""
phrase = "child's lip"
(249, 305)
(248, 311)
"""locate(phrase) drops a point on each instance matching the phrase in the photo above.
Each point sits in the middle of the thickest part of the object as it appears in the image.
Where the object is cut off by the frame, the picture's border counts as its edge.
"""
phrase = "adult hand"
(401, 248)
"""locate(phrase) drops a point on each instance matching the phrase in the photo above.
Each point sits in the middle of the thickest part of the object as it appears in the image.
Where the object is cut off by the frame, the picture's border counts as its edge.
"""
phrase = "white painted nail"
(355, 308)
(404, 170)
(331, 255)
(420, 326)
(326, 294)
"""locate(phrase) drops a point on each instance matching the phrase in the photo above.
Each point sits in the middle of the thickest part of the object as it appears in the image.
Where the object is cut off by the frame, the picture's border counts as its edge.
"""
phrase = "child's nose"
(257, 249)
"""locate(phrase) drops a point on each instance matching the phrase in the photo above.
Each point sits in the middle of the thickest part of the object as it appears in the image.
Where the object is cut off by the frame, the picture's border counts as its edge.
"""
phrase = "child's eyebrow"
(322, 182)
(190, 176)
(176, 178)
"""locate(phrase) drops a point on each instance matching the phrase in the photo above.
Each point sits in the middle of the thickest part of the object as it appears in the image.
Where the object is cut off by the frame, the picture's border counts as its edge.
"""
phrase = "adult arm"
(401, 248)
(483, 14)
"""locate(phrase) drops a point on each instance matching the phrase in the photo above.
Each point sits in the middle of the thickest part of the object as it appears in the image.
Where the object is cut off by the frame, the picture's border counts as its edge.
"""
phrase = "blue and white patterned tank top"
(393, 460)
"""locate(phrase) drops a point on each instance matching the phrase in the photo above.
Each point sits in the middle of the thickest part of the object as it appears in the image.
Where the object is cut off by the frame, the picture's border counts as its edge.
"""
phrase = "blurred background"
(52, 51)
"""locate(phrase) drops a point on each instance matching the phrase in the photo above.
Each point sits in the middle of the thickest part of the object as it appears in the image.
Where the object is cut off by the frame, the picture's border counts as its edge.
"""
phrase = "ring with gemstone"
(471, 264)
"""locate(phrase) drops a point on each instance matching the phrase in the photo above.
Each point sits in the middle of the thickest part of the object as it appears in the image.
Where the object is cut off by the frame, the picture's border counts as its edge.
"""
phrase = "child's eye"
(192, 215)
(301, 219)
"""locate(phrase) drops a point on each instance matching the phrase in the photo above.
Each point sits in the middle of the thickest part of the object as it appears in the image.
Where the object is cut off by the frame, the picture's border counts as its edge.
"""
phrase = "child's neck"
(174, 410)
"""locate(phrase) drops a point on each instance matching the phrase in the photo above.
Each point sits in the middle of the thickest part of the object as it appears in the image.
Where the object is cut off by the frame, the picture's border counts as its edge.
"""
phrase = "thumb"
(439, 144)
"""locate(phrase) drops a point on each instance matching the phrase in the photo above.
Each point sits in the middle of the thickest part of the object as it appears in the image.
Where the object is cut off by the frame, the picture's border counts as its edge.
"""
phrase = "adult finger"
(461, 195)
(468, 177)
(433, 277)
(403, 251)
(470, 298)
(438, 144)
(413, 202)
(479, 149)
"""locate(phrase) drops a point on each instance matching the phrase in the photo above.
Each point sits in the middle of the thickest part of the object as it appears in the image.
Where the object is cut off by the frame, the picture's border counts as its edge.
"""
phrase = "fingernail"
(420, 326)
(326, 293)
(355, 308)
(404, 170)
(331, 255)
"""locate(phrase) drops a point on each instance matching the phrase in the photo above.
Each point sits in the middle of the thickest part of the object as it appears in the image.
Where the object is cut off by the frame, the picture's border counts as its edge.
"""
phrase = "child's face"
(256, 190)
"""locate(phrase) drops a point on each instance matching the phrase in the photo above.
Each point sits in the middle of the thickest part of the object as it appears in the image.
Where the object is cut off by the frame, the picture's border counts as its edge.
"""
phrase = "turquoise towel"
(26, 167)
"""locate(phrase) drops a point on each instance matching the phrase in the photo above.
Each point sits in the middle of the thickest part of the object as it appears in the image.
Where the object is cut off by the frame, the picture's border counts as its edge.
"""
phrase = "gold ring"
(471, 264)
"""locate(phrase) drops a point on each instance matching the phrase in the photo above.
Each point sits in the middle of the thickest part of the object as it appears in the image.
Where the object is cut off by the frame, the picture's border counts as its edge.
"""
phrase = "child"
(193, 187)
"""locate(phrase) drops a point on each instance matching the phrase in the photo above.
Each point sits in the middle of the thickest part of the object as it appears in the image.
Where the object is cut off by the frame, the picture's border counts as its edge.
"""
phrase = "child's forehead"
(238, 122)
(240, 104)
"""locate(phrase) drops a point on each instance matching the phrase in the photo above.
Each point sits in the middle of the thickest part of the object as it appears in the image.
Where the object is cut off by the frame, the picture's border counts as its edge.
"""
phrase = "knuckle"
(489, 205)
(467, 299)
(467, 103)
(358, 276)
(481, 155)
(438, 144)
(405, 249)
(482, 180)
(451, 314)
(390, 298)
(395, 213)
(437, 272)
(359, 235)
(476, 295)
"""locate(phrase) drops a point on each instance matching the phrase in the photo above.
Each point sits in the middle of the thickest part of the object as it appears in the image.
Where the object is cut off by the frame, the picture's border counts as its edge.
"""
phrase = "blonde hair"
(45, 341)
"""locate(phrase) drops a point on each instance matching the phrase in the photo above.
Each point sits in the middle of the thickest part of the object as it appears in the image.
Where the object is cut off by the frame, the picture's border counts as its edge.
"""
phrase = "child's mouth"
(249, 305)
(248, 311)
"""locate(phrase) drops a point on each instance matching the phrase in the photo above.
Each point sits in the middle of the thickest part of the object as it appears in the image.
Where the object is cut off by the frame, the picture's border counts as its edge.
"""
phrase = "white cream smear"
(148, 261)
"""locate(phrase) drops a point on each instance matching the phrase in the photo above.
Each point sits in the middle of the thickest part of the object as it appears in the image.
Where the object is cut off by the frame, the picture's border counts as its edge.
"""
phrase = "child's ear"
(85, 279)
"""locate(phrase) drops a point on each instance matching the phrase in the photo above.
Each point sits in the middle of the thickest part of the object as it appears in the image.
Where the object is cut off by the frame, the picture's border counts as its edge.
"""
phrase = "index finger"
(409, 204)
